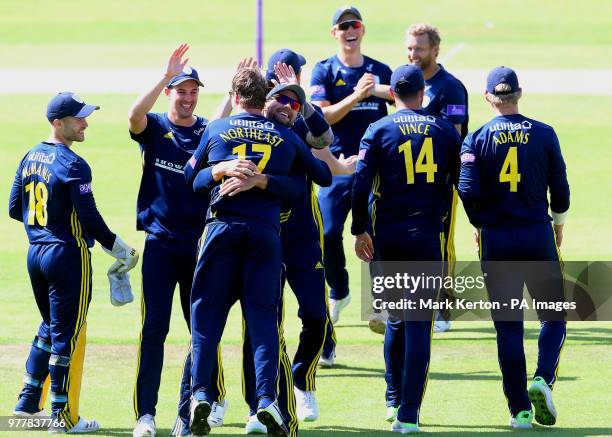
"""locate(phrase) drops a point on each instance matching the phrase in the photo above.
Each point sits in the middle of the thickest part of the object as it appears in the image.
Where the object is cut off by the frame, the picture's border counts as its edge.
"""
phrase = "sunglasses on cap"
(285, 100)
(355, 24)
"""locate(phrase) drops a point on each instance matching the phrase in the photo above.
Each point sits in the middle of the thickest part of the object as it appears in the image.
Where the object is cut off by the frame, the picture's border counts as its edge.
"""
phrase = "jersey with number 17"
(407, 159)
(507, 168)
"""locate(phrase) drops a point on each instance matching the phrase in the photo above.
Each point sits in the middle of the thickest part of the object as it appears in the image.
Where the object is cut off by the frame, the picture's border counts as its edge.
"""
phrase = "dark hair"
(250, 87)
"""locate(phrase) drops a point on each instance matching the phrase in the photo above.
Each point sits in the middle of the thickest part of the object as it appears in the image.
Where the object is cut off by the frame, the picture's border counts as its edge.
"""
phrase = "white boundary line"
(452, 52)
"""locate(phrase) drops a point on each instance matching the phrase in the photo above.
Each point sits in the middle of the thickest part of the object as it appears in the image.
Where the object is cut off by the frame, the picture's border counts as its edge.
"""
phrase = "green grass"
(523, 33)
(464, 394)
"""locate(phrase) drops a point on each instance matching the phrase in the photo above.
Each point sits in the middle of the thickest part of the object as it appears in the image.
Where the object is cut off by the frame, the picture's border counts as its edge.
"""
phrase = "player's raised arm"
(138, 112)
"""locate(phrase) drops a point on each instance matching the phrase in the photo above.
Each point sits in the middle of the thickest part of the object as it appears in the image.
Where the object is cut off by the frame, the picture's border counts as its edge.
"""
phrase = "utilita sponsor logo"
(525, 125)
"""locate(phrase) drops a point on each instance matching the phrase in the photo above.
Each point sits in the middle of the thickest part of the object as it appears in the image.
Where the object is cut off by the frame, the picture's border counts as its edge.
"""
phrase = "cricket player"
(172, 216)
(52, 195)
(240, 255)
(445, 97)
(352, 89)
(508, 167)
(407, 159)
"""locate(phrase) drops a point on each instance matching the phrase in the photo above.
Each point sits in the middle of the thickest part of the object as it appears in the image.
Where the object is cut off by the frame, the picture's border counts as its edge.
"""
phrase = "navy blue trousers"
(61, 280)
(407, 346)
(530, 242)
(335, 204)
(239, 259)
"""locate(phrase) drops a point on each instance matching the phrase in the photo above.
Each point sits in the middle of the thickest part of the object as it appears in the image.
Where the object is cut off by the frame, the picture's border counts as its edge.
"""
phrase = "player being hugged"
(352, 89)
(408, 159)
(52, 195)
(508, 166)
(240, 255)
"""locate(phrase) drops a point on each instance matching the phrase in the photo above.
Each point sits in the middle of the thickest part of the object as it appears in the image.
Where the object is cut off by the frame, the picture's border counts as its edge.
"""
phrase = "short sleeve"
(454, 103)
(144, 138)
(319, 84)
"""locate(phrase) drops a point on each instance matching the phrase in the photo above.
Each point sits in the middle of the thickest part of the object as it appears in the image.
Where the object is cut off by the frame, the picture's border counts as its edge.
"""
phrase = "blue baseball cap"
(188, 73)
(299, 92)
(503, 75)
(345, 10)
(286, 56)
(68, 104)
(407, 79)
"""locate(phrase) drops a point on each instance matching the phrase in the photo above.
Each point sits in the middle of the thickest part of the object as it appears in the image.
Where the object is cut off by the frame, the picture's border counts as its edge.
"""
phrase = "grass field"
(464, 393)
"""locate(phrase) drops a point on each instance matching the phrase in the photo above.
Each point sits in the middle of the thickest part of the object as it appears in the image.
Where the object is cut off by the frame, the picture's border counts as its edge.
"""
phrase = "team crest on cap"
(77, 99)
(187, 69)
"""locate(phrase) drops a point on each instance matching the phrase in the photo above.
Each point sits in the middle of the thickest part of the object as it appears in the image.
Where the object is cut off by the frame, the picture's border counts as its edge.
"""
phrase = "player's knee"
(42, 344)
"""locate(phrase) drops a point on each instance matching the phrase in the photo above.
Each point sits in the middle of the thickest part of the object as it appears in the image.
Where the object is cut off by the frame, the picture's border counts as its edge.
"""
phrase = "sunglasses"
(355, 24)
(284, 100)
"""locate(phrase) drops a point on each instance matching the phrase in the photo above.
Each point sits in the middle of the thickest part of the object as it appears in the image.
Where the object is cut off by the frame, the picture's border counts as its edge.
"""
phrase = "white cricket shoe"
(82, 426)
(335, 306)
(441, 325)
(215, 420)
(271, 417)
(404, 428)
(522, 420)
(327, 362)
(307, 408)
(145, 426)
(254, 426)
(391, 415)
(25, 414)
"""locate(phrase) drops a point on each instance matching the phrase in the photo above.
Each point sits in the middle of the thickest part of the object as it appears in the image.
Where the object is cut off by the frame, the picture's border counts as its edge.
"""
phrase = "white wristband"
(559, 217)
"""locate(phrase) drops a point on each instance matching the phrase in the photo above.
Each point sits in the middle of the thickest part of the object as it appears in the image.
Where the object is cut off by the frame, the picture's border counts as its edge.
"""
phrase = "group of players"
(231, 212)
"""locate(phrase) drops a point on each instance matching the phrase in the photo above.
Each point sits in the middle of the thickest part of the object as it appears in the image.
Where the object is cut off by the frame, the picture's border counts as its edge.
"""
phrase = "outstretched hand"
(246, 63)
(176, 63)
(285, 74)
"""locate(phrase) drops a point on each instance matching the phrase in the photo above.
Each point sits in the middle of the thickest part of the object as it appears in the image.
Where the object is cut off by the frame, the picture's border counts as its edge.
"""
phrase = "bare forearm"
(336, 112)
(328, 158)
(144, 104)
(382, 91)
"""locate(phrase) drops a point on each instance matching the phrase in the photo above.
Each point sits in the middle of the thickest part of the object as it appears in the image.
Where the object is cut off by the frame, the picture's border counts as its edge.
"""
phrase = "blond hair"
(503, 99)
(432, 33)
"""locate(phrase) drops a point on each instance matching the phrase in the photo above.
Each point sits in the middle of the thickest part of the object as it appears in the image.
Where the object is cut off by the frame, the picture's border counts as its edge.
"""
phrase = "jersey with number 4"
(49, 177)
(407, 160)
(507, 168)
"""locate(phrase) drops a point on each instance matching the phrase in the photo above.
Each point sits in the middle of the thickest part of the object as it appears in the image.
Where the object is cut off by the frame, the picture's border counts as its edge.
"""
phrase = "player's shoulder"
(537, 124)
(74, 164)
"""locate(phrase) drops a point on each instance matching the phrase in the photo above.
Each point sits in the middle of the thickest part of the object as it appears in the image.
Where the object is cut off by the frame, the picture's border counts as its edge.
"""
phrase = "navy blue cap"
(286, 56)
(407, 79)
(68, 104)
(501, 75)
(188, 73)
(345, 10)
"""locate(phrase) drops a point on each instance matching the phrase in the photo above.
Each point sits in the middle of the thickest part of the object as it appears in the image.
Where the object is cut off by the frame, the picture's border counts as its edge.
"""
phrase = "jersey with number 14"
(407, 159)
(507, 167)
(49, 177)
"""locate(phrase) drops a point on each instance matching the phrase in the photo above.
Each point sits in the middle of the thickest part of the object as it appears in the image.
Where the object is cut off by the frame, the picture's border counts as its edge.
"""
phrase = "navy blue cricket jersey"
(52, 195)
(407, 160)
(272, 146)
(167, 207)
(446, 97)
(333, 81)
(300, 223)
(507, 168)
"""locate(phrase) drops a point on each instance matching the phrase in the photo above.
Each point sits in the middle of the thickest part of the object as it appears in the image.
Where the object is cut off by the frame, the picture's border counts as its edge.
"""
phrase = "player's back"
(49, 173)
(517, 159)
(271, 146)
(417, 158)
